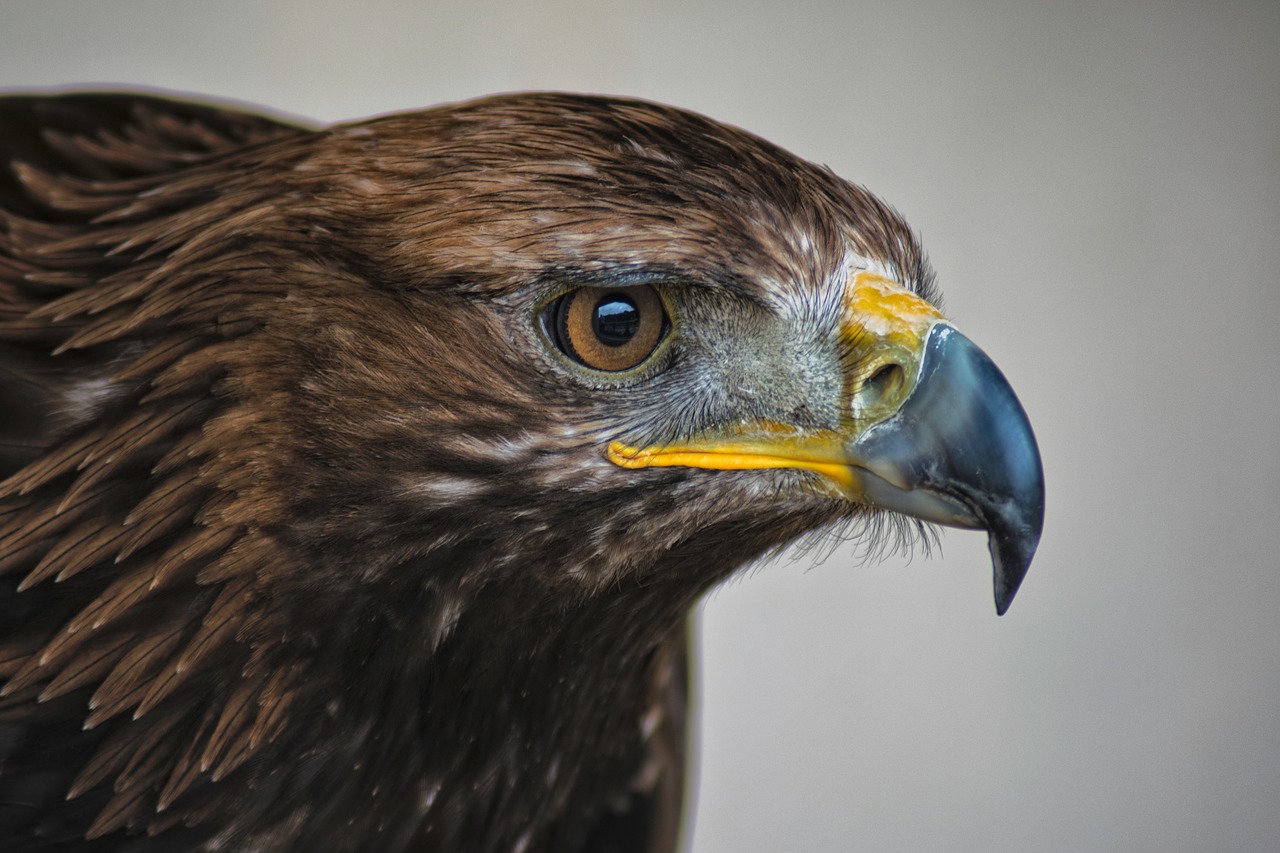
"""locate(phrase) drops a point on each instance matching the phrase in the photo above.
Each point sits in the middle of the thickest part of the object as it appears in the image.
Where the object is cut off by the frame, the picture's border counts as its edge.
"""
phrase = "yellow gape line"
(738, 457)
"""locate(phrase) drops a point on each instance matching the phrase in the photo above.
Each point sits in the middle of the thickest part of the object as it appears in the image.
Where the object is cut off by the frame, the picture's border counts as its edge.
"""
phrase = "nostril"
(882, 384)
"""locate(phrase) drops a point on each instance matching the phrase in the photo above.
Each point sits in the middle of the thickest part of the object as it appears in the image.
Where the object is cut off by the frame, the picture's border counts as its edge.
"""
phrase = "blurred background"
(1098, 185)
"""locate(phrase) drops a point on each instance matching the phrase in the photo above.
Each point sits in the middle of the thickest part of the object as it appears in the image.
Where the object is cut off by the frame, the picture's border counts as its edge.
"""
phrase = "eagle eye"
(609, 330)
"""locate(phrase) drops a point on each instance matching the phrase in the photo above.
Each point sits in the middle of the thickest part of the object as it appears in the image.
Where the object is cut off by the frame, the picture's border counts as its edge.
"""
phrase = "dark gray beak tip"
(1012, 545)
(1010, 558)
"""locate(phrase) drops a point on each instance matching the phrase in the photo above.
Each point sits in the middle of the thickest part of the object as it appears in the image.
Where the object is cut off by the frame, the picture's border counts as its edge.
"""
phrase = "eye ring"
(610, 330)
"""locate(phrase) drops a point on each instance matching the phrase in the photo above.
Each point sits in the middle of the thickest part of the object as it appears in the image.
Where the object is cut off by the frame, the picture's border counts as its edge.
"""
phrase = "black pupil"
(615, 320)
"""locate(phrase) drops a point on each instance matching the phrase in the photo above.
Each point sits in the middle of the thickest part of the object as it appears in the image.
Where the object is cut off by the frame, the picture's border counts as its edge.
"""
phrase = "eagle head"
(359, 480)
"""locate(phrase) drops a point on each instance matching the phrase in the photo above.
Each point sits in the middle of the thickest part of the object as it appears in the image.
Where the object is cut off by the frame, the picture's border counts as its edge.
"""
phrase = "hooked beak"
(960, 452)
(935, 432)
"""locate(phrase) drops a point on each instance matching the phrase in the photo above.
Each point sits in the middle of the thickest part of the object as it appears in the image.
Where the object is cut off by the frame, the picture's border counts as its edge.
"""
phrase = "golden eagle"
(357, 482)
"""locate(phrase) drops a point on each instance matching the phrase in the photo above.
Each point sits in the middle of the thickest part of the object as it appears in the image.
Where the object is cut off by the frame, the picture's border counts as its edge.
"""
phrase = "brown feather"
(91, 664)
(146, 758)
(225, 615)
(230, 733)
(124, 686)
(14, 654)
(186, 769)
(119, 812)
(87, 544)
(54, 464)
(123, 756)
(166, 513)
(191, 551)
(273, 706)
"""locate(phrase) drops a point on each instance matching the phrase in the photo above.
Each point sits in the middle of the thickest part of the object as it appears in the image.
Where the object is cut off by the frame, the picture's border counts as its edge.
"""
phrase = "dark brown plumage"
(316, 533)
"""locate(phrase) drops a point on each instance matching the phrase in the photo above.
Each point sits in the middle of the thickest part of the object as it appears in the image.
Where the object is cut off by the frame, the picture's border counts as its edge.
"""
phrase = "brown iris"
(610, 330)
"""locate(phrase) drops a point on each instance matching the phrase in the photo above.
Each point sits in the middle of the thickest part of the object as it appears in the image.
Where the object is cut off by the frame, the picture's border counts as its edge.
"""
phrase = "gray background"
(1098, 185)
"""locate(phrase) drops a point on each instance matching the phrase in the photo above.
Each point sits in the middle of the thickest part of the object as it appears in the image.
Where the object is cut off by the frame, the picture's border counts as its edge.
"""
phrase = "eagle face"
(771, 316)
(372, 471)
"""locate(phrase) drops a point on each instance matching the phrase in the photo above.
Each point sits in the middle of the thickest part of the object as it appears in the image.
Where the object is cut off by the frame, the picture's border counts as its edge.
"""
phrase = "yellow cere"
(880, 308)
